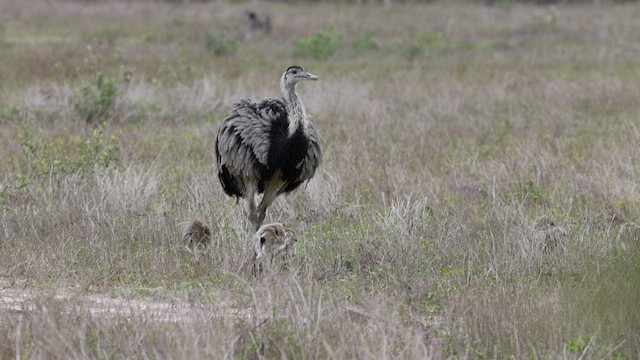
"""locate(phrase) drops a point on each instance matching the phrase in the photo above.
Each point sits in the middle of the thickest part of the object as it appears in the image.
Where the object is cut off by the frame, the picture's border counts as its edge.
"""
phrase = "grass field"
(451, 131)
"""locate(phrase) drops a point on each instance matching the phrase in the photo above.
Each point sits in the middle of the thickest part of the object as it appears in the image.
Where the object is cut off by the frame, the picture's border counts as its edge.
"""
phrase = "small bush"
(96, 99)
(428, 42)
(364, 42)
(105, 35)
(219, 45)
(319, 46)
(55, 158)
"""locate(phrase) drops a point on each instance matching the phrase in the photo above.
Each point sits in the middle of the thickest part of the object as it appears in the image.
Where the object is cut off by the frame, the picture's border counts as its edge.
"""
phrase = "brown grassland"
(454, 135)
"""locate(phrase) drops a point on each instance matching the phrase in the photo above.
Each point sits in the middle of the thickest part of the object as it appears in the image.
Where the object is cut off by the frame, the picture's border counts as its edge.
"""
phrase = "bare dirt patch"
(13, 299)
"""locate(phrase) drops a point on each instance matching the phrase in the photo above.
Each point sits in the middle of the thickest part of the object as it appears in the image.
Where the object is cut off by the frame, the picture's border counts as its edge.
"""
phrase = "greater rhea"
(548, 236)
(196, 236)
(257, 24)
(628, 234)
(270, 241)
(268, 147)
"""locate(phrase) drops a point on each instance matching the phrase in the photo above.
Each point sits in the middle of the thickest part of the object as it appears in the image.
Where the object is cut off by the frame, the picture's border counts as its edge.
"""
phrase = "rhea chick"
(548, 235)
(196, 236)
(270, 241)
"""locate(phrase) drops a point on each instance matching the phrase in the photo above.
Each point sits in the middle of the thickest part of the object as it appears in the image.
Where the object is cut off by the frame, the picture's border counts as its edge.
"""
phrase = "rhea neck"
(295, 109)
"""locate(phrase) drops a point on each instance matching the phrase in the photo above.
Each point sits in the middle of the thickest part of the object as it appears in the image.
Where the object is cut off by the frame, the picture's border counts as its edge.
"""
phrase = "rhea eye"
(262, 240)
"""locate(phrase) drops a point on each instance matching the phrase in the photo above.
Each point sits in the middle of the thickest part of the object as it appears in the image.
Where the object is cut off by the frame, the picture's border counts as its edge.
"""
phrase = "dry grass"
(447, 130)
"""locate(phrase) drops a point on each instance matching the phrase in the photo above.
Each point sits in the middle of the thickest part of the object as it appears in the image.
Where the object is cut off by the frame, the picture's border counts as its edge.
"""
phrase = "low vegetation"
(450, 133)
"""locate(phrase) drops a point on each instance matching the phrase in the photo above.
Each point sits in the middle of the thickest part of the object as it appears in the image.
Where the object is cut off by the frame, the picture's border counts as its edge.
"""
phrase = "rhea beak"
(310, 76)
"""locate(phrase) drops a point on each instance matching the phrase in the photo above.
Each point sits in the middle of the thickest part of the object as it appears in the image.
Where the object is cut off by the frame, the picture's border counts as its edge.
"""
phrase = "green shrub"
(105, 35)
(429, 42)
(96, 99)
(57, 157)
(12, 112)
(364, 42)
(219, 45)
(319, 46)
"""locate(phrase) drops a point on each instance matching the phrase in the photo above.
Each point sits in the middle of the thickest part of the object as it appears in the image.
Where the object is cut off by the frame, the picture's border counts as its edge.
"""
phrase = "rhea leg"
(257, 265)
(251, 202)
(270, 194)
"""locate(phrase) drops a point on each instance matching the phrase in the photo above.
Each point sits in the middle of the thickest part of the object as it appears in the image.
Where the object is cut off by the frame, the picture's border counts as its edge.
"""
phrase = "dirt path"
(18, 300)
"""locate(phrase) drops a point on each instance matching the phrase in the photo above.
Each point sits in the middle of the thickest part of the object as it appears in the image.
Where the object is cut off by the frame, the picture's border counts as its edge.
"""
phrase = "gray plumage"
(268, 147)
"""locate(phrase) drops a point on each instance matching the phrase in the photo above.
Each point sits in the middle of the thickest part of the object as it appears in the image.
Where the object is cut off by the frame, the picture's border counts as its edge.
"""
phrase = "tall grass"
(443, 145)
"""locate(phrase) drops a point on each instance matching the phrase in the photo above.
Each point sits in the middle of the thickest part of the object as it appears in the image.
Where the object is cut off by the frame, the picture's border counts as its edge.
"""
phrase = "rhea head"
(295, 74)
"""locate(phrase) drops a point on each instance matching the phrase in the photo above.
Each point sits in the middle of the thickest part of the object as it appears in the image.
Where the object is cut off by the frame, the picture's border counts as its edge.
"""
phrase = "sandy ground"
(16, 300)
(13, 299)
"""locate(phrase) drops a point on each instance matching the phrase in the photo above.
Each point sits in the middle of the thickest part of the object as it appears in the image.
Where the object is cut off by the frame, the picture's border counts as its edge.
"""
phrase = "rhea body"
(270, 241)
(268, 147)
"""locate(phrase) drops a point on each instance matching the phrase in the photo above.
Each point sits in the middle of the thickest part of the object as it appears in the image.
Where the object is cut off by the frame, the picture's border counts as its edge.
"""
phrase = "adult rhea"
(268, 147)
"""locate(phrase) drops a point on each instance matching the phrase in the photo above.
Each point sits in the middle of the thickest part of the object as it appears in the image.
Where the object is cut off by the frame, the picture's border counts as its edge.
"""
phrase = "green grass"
(447, 131)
